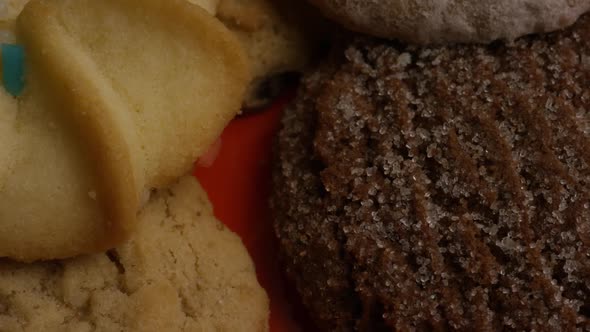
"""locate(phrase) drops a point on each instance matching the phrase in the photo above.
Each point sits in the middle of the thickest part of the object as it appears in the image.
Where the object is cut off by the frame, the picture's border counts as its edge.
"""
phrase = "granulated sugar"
(441, 188)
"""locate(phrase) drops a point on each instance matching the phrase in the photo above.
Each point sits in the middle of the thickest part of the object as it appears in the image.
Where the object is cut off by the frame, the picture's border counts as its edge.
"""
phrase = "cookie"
(9, 10)
(441, 188)
(279, 37)
(121, 97)
(437, 22)
(209, 5)
(181, 271)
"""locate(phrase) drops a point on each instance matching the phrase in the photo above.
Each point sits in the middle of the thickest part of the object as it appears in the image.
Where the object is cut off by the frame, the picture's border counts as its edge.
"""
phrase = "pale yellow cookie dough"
(208, 5)
(121, 96)
(279, 37)
(182, 271)
(8, 145)
(9, 10)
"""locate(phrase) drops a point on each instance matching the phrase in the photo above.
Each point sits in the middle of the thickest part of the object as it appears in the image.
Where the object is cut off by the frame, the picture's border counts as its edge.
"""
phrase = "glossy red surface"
(236, 175)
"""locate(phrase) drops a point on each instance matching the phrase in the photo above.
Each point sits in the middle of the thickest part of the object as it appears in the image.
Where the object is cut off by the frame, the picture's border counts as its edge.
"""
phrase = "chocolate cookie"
(441, 188)
(428, 21)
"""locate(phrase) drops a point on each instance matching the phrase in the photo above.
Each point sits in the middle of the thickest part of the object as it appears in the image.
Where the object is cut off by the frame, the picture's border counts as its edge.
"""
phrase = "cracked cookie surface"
(181, 271)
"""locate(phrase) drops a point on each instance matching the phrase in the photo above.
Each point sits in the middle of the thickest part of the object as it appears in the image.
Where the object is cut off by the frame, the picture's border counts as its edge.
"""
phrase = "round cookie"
(91, 147)
(280, 38)
(434, 21)
(182, 271)
(441, 188)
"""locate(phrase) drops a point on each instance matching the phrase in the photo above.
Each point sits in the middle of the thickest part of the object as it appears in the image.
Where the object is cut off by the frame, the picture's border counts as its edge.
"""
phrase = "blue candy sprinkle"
(13, 68)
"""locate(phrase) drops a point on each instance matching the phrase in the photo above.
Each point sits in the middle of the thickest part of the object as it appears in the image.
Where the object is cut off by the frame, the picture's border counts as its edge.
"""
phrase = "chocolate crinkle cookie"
(441, 188)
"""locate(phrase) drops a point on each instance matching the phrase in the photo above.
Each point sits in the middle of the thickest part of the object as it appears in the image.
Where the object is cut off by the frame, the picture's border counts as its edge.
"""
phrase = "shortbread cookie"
(9, 10)
(441, 189)
(279, 37)
(122, 96)
(209, 5)
(434, 21)
(182, 271)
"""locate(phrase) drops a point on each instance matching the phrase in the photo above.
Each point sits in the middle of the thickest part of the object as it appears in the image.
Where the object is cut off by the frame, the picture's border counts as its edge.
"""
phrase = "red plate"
(236, 175)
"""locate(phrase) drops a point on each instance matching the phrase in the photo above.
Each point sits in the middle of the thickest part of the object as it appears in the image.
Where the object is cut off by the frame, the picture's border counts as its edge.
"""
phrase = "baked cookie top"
(279, 37)
(181, 271)
(438, 22)
(441, 188)
(121, 96)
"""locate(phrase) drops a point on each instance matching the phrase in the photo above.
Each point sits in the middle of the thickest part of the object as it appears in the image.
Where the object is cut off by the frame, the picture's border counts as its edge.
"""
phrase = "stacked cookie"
(182, 270)
(439, 22)
(442, 187)
(280, 38)
(99, 230)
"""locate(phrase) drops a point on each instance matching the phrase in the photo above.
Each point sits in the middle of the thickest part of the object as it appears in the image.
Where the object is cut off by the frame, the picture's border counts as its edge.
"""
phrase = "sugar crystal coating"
(441, 188)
